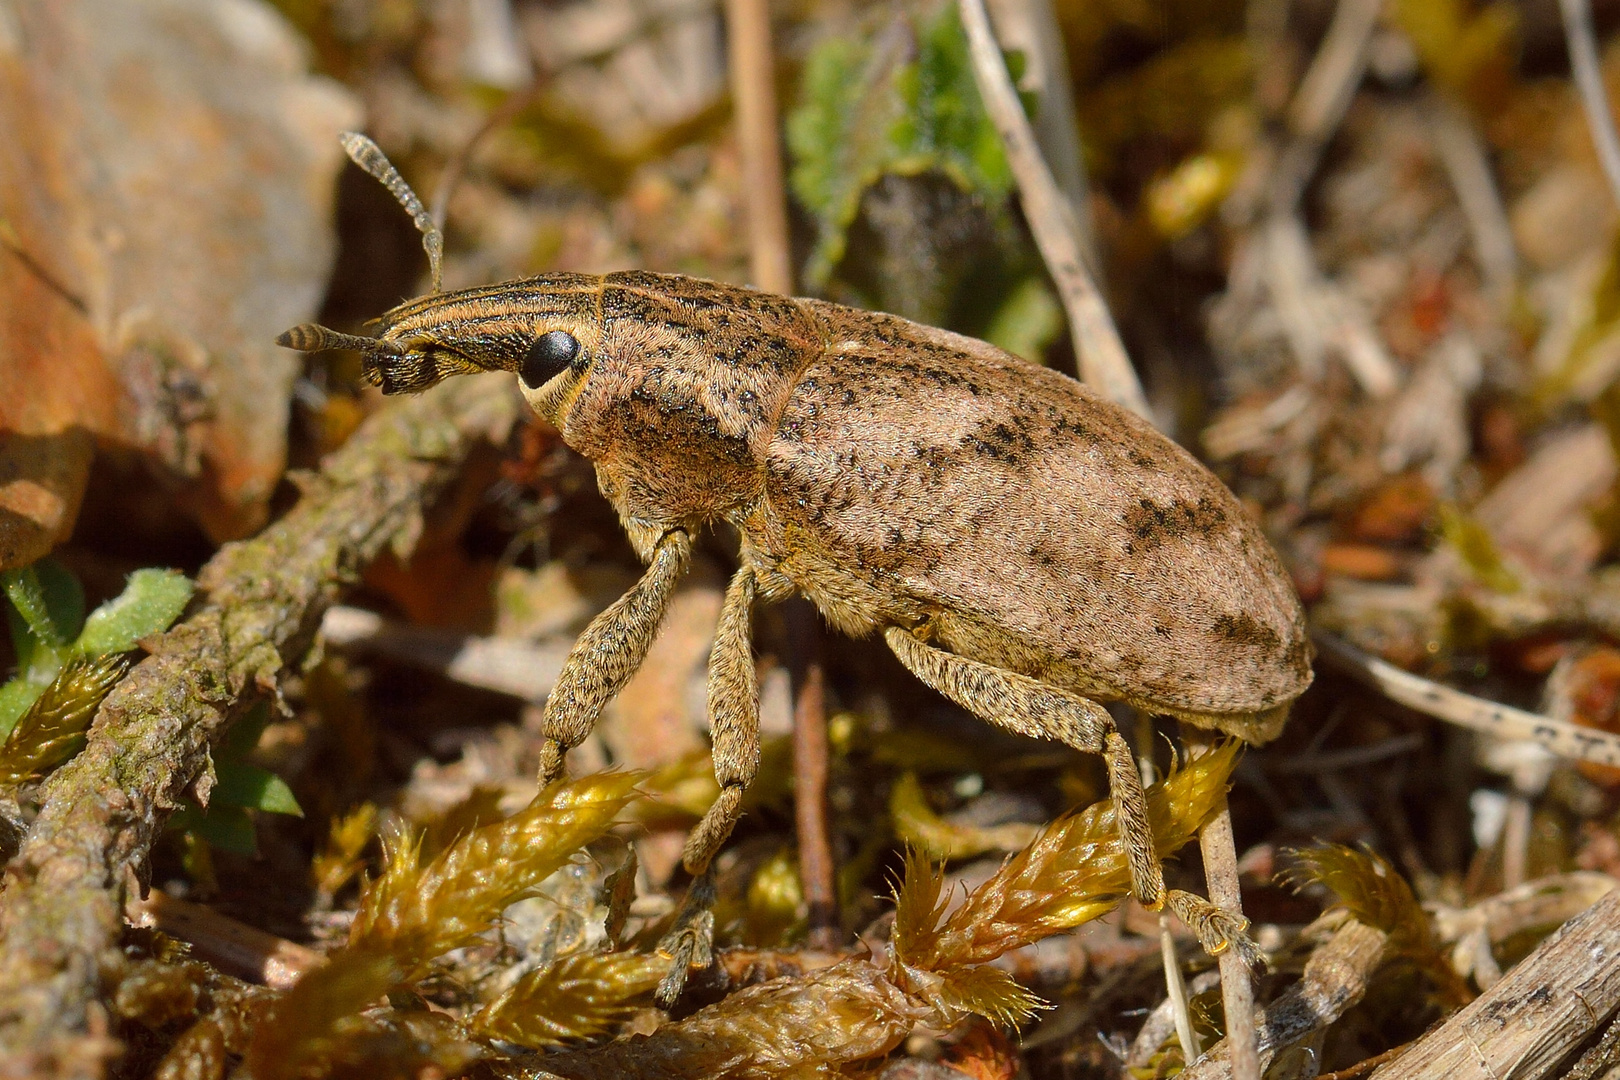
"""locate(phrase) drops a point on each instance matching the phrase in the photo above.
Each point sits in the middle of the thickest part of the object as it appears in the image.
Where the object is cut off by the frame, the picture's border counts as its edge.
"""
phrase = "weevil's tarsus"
(369, 156)
(690, 940)
(609, 651)
(734, 722)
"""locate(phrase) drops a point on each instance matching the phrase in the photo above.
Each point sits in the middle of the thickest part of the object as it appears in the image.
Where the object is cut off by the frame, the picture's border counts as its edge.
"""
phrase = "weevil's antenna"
(369, 156)
(309, 337)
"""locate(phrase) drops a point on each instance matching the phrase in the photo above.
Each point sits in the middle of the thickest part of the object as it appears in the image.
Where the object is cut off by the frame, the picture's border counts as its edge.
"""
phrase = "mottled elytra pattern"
(1026, 548)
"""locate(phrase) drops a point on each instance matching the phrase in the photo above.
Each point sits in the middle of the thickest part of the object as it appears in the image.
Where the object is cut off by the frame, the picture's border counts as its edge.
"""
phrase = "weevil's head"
(543, 329)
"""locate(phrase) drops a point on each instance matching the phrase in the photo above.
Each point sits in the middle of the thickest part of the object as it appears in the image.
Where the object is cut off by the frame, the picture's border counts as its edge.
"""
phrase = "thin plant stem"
(1104, 365)
(1583, 61)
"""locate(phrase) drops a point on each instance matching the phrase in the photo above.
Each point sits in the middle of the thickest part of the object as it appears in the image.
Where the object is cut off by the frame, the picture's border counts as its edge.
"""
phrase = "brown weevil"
(1024, 547)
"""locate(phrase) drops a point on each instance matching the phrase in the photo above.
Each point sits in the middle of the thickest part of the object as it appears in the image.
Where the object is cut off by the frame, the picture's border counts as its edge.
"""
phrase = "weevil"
(1024, 547)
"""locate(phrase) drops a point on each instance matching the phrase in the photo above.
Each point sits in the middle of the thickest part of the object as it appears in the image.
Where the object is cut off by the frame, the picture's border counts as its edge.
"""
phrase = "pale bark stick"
(1237, 982)
(1104, 365)
(1527, 1024)
(1465, 710)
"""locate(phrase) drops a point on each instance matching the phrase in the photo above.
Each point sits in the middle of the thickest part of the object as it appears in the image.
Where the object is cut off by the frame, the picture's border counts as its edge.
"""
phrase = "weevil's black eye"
(550, 353)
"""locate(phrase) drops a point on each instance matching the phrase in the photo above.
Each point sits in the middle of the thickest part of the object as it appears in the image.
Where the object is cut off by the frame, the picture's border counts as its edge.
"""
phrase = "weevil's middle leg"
(734, 722)
(1030, 707)
(609, 651)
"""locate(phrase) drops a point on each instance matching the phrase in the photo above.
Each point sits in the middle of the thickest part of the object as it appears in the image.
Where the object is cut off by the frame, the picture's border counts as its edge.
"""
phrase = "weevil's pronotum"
(1025, 548)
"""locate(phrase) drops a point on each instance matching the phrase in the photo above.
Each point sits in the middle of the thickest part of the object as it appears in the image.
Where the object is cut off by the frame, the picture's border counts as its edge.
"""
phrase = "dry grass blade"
(916, 823)
(53, 728)
(1104, 364)
(578, 996)
(417, 912)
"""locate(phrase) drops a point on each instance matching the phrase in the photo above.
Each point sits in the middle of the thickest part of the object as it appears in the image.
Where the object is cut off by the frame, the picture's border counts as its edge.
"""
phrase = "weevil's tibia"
(1027, 706)
(609, 651)
(369, 156)
(733, 721)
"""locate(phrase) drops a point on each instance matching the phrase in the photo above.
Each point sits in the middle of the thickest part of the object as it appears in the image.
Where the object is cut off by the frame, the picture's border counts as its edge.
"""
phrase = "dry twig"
(1455, 707)
(1104, 365)
(62, 910)
(1031, 26)
(1463, 153)
(235, 948)
(810, 753)
(1529, 1022)
(1221, 874)
(523, 669)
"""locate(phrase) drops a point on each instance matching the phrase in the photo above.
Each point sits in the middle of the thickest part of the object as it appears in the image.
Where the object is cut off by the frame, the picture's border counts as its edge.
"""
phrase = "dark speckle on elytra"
(1152, 524)
(1245, 629)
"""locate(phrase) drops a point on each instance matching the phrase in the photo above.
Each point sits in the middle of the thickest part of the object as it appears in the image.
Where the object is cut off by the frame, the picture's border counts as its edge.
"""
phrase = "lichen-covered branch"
(261, 600)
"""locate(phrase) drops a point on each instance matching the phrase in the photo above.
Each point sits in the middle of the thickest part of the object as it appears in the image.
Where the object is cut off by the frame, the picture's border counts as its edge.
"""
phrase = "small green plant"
(239, 786)
(67, 663)
(869, 110)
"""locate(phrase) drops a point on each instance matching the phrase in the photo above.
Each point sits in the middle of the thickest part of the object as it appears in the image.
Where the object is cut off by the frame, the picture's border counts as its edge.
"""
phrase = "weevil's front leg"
(1030, 707)
(734, 722)
(609, 651)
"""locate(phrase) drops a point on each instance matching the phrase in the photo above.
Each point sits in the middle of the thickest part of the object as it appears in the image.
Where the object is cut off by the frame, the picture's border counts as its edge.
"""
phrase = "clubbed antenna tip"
(309, 337)
(369, 156)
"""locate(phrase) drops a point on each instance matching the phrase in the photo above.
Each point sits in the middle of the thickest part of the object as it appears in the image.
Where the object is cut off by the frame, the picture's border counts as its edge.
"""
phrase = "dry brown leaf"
(164, 202)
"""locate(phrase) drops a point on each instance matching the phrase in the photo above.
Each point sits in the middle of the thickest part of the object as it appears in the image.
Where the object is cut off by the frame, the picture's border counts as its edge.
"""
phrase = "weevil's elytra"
(1023, 546)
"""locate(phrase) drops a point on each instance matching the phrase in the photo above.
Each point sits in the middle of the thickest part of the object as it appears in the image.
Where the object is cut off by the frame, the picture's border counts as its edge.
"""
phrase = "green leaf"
(1474, 544)
(16, 697)
(46, 611)
(244, 734)
(898, 102)
(1029, 320)
(150, 602)
(229, 828)
(244, 785)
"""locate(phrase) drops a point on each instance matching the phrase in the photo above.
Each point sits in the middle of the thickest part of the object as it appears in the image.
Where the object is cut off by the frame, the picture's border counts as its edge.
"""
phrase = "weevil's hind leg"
(608, 653)
(1030, 707)
(734, 721)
